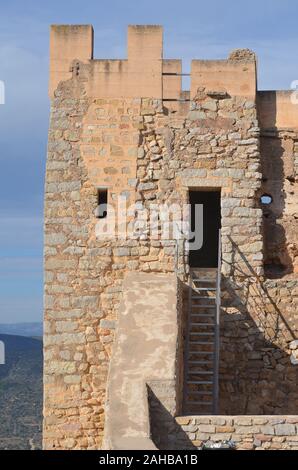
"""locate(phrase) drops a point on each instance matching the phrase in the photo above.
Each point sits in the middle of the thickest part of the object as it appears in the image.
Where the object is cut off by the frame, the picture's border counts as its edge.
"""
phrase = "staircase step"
(200, 362)
(198, 333)
(202, 297)
(202, 372)
(203, 306)
(204, 280)
(205, 315)
(201, 342)
(204, 403)
(200, 352)
(200, 382)
(205, 288)
(193, 305)
(199, 392)
(202, 324)
(194, 352)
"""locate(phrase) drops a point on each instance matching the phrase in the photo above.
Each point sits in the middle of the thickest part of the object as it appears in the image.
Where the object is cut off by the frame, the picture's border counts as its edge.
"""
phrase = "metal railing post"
(216, 332)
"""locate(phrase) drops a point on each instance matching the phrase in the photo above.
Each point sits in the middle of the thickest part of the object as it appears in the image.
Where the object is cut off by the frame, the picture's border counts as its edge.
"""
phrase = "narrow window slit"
(102, 201)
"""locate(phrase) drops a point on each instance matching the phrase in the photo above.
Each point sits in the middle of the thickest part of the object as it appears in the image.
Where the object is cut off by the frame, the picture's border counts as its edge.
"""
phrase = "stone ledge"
(246, 432)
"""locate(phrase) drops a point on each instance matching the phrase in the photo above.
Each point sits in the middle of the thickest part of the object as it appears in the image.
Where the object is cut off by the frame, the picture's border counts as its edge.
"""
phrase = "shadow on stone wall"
(256, 375)
(165, 432)
(277, 259)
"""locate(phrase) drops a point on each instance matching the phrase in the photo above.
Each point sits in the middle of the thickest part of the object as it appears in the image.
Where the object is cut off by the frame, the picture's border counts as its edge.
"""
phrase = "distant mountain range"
(21, 389)
(21, 329)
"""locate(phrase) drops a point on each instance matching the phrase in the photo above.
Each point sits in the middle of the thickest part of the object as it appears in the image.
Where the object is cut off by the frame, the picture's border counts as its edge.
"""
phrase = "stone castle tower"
(148, 343)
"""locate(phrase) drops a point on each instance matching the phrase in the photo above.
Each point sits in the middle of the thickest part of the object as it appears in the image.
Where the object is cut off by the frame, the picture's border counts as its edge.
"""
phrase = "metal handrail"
(217, 327)
(186, 343)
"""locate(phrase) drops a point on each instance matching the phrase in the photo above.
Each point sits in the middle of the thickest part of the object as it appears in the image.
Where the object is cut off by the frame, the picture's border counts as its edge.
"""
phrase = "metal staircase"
(202, 342)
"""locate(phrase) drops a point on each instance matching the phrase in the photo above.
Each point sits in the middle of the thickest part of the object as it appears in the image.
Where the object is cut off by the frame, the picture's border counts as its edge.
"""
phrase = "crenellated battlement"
(145, 72)
(138, 75)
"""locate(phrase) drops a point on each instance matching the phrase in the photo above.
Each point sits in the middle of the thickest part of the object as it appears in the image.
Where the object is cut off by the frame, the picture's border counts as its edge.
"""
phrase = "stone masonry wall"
(140, 149)
(243, 432)
(280, 180)
(258, 331)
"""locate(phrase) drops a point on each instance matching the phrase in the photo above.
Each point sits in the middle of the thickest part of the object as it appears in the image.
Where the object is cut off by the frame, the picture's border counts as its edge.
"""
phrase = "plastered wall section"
(145, 352)
(278, 109)
(236, 77)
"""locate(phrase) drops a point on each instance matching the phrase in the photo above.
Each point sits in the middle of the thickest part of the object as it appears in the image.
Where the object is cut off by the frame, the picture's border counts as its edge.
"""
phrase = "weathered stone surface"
(139, 148)
(285, 430)
(56, 367)
(107, 324)
(246, 436)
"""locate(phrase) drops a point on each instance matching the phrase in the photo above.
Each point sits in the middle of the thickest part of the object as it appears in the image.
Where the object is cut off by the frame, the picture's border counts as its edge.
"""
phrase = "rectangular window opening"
(102, 201)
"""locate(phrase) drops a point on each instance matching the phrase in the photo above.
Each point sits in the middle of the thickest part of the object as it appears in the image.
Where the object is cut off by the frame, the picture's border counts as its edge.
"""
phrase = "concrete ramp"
(146, 350)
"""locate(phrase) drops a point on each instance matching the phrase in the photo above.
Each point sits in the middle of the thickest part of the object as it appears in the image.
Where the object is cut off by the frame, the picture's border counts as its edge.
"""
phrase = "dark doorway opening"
(207, 255)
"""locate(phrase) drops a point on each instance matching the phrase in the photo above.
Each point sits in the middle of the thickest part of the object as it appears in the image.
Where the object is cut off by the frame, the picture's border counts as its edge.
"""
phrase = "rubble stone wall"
(143, 150)
(240, 432)
(258, 331)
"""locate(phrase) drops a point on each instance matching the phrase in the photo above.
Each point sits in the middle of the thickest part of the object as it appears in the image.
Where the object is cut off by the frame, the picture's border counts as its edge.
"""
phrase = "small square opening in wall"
(266, 199)
(101, 211)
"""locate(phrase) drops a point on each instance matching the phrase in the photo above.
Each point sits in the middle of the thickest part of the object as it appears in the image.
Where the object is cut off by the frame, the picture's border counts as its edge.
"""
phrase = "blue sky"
(192, 29)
